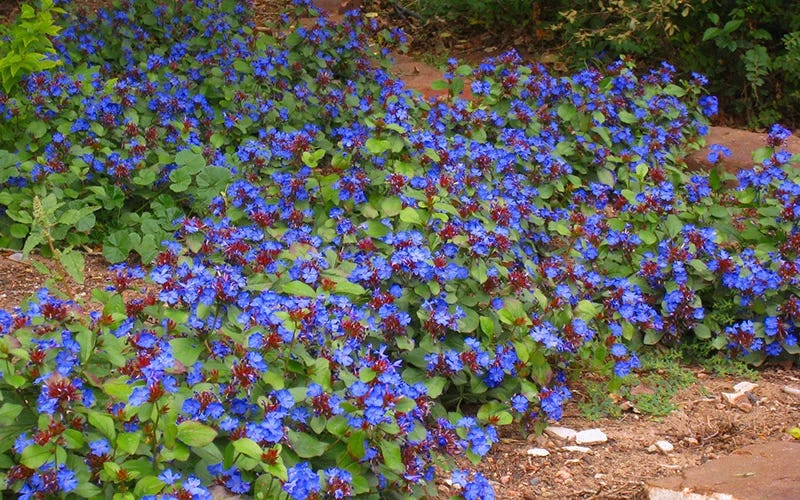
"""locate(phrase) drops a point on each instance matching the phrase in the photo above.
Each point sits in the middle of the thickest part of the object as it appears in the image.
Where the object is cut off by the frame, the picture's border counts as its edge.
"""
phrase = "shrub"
(25, 45)
(346, 266)
(749, 50)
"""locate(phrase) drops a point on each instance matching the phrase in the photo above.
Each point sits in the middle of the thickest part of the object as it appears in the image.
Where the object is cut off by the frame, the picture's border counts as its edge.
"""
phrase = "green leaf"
(343, 285)
(37, 128)
(73, 439)
(587, 310)
(392, 456)
(195, 434)
(248, 447)
(189, 161)
(128, 442)
(410, 215)
(435, 386)
(567, 112)
(701, 331)
(439, 85)
(9, 412)
(627, 117)
(186, 350)
(606, 176)
(652, 337)
(18, 231)
(148, 485)
(87, 490)
(34, 456)
(391, 206)
(469, 323)
(711, 33)
(487, 325)
(103, 423)
(299, 289)
(74, 263)
(14, 380)
(377, 146)
(355, 445)
(305, 445)
(312, 159)
(145, 177)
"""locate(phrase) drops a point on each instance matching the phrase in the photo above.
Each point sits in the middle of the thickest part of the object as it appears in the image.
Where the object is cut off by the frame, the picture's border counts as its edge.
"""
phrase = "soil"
(703, 427)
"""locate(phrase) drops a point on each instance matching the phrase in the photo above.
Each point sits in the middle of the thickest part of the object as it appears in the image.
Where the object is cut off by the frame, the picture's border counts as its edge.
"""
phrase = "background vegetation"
(749, 50)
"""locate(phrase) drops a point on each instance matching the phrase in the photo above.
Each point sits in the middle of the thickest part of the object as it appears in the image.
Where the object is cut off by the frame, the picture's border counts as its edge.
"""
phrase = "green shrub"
(749, 50)
(25, 45)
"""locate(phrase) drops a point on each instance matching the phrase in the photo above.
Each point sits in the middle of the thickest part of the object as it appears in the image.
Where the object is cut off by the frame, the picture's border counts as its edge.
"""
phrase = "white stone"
(538, 452)
(661, 446)
(744, 387)
(563, 433)
(577, 449)
(591, 436)
(17, 257)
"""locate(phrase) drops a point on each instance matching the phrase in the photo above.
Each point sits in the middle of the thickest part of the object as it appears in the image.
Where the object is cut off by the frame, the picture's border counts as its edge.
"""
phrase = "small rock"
(563, 433)
(691, 441)
(734, 398)
(591, 436)
(538, 452)
(661, 446)
(505, 479)
(578, 449)
(563, 474)
(220, 493)
(787, 389)
(16, 257)
(642, 389)
(744, 386)
(534, 481)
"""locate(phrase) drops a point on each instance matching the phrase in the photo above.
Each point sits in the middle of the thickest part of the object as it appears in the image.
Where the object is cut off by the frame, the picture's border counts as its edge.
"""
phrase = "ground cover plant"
(349, 284)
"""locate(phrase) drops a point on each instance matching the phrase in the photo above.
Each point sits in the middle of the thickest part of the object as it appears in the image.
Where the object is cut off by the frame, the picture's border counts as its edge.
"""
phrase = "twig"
(406, 12)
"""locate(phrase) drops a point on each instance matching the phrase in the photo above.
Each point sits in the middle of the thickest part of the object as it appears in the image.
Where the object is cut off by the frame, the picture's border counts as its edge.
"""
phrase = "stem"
(154, 441)
(62, 272)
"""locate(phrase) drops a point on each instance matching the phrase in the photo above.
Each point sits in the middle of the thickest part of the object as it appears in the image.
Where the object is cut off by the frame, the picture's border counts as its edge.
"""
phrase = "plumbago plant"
(338, 267)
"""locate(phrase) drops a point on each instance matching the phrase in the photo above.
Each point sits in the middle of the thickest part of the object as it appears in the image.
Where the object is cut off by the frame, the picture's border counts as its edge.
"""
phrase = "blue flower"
(302, 482)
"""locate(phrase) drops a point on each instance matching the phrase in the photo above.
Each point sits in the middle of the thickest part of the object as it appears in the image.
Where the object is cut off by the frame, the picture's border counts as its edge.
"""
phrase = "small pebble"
(591, 436)
(563, 474)
(538, 452)
(661, 446)
(563, 433)
(744, 386)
